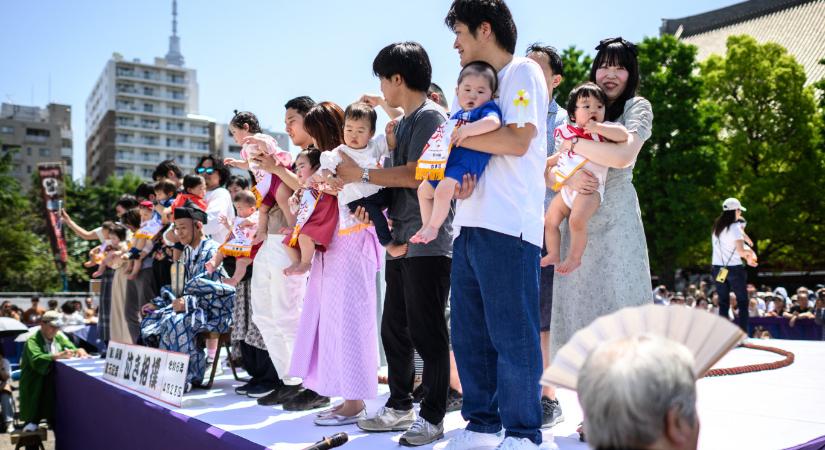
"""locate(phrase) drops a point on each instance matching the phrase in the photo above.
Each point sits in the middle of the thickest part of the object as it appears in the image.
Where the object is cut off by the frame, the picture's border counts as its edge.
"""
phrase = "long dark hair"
(621, 53)
(325, 123)
(726, 219)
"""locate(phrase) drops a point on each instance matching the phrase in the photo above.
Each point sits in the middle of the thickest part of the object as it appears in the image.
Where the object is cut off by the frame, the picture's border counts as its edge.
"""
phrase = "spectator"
(6, 393)
(639, 393)
(37, 378)
(678, 299)
(218, 200)
(70, 316)
(52, 305)
(8, 310)
(237, 184)
(660, 295)
(168, 170)
(32, 315)
(90, 312)
(819, 310)
(777, 307)
(753, 308)
(702, 304)
(714, 303)
(802, 309)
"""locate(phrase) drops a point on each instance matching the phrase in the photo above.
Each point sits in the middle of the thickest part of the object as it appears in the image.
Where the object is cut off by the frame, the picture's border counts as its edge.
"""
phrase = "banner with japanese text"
(51, 188)
(157, 373)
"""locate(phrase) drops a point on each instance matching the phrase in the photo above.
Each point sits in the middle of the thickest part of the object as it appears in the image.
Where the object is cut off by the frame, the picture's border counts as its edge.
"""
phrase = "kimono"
(37, 379)
(208, 308)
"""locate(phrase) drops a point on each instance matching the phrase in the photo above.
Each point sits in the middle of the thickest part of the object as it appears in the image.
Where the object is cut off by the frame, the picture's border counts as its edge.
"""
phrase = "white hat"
(732, 204)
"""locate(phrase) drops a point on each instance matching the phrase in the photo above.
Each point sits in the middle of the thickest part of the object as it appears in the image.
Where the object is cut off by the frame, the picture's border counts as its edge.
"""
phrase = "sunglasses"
(206, 170)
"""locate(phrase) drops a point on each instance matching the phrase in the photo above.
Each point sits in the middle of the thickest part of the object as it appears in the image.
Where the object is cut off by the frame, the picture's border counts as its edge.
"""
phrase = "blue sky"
(258, 55)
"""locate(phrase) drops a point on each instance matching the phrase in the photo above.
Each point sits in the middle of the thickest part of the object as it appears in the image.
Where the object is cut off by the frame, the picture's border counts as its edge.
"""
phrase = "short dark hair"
(325, 123)
(192, 181)
(126, 201)
(166, 186)
(241, 181)
(313, 155)
(52, 303)
(107, 225)
(301, 104)
(436, 89)
(218, 165)
(245, 197)
(239, 119)
(131, 218)
(119, 231)
(360, 110)
(584, 90)
(144, 190)
(556, 64)
(495, 12)
(162, 169)
(407, 59)
(480, 68)
(621, 54)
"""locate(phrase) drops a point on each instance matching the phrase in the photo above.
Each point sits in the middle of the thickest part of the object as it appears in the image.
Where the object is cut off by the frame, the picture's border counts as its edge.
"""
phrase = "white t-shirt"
(370, 157)
(724, 246)
(509, 196)
(218, 203)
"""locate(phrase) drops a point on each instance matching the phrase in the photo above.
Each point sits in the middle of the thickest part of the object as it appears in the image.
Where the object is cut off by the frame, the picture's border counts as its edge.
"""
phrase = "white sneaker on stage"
(468, 440)
(514, 443)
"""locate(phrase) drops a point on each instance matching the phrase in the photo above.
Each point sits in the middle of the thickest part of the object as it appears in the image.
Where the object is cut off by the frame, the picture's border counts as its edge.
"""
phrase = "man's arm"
(510, 140)
(400, 177)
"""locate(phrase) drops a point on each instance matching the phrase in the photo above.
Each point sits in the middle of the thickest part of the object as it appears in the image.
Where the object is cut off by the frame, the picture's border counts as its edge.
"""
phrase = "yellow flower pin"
(522, 99)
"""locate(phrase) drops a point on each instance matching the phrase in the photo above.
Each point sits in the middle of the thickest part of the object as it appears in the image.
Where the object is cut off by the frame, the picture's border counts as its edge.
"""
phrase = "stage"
(767, 410)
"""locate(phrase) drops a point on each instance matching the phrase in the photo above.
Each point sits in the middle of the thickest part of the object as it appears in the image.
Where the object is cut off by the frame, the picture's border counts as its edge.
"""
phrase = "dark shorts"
(464, 161)
(545, 295)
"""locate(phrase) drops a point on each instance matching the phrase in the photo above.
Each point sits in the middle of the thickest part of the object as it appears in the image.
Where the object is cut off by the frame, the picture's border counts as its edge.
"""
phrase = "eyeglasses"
(206, 170)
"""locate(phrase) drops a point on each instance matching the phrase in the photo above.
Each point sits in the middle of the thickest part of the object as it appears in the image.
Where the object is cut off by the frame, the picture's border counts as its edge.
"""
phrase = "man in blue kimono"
(205, 304)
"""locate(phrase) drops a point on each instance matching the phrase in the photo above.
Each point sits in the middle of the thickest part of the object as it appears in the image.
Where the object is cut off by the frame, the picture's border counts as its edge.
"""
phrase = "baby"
(115, 248)
(444, 162)
(150, 224)
(316, 216)
(368, 153)
(194, 190)
(246, 131)
(97, 253)
(239, 241)
(165, 192)
(586, 111)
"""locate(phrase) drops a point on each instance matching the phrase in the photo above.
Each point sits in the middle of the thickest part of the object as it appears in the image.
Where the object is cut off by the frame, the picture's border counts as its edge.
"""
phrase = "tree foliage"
(576, 70)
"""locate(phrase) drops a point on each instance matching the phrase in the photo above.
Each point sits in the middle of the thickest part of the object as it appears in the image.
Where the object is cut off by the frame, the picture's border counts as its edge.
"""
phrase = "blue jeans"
(495, 331)
(736, 281)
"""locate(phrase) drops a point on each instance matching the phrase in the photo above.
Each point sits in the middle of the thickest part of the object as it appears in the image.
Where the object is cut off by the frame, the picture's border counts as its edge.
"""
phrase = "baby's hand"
(223, 220)
(591, 126)
(232, 162)
(389, 131)
(458, 137)
(335, 183)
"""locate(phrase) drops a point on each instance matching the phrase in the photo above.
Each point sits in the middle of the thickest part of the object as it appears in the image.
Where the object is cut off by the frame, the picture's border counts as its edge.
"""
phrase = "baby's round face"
(244, 210)
(473, 91)
(357, 133)
(589, 108)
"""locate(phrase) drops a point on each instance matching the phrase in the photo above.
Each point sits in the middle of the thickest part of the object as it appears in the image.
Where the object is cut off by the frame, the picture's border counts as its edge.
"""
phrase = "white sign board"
(157, 373)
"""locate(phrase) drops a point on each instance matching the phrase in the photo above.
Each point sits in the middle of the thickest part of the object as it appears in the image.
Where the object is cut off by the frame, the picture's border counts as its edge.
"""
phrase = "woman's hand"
(583, 182)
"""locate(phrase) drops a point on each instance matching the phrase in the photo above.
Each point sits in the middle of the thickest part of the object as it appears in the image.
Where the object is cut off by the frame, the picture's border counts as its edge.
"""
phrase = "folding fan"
(708, 336)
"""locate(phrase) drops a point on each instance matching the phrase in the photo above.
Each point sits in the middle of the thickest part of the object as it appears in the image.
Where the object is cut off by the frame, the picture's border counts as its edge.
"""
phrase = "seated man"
(639, 393)
(36, 378)
(205, 304)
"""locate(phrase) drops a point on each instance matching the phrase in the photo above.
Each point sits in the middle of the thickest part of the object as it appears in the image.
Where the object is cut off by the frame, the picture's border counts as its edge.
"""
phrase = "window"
(7, 130)
(28, 151)
(28, 169)
(45, 152)
(37, 135)
(148, 107)
(148, 91)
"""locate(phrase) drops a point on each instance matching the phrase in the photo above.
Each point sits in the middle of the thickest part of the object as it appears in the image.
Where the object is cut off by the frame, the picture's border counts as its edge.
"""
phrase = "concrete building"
(227, 148)
(139, 114)
(36, 135)
(797, 25)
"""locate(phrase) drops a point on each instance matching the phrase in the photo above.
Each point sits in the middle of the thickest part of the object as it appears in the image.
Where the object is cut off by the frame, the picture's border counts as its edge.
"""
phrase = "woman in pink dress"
(336, 350)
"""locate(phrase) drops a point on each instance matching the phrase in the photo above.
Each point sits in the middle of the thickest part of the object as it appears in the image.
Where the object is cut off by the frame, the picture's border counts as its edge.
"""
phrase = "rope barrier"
(787, 361)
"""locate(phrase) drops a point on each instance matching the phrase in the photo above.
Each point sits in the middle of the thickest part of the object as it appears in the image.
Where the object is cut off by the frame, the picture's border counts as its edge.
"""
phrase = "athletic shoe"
(9, 427)
(388, 419)
(259, 390)
(514, 443)
(422, 432)
(281, 395)
(242, 389)
(306, 400)
(454, 400)
(332, 420)
(550, 413)
(471, 440)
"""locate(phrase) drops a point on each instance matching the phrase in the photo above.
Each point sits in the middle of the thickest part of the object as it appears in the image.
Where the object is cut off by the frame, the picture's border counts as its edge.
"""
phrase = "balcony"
(36, 138)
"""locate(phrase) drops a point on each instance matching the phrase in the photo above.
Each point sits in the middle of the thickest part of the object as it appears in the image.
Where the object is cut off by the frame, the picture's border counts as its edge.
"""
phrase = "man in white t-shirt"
(495, 272)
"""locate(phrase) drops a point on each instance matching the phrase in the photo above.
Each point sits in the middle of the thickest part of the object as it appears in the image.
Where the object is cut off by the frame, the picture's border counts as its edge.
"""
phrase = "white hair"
(626, 388)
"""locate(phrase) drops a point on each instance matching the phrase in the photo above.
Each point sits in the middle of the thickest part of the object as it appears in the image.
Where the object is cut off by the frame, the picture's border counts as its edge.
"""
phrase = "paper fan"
(706, 335)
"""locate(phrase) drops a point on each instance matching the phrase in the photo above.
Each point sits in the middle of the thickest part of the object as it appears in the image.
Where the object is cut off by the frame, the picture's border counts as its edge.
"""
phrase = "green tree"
(26, 259)
(576, 70)
(675, 171)
(770, 149)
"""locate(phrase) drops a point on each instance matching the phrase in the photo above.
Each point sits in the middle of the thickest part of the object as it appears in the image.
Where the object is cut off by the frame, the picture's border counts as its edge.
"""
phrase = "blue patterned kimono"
(208, 308)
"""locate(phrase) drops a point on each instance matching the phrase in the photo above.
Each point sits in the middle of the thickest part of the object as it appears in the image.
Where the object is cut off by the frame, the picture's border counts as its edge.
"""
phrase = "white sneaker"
(469, 440)
(513, 443)
(30, 427)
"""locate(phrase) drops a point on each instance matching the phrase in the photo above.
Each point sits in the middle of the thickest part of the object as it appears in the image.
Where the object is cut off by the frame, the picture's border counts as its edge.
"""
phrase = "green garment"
(36, 377)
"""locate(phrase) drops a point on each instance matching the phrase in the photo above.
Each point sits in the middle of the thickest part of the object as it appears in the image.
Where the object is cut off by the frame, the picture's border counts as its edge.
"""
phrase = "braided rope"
(787, 361)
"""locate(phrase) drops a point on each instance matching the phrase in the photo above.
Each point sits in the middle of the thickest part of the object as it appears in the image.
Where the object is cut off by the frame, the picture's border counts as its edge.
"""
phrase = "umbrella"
(25, 336)
(11, 327)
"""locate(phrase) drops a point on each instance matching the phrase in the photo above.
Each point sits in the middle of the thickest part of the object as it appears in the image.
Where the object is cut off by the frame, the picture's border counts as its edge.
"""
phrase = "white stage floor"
(766, 410)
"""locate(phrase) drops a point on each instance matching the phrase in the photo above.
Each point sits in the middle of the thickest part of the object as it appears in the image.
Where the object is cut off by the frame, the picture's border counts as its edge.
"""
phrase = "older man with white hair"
(639, 393)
